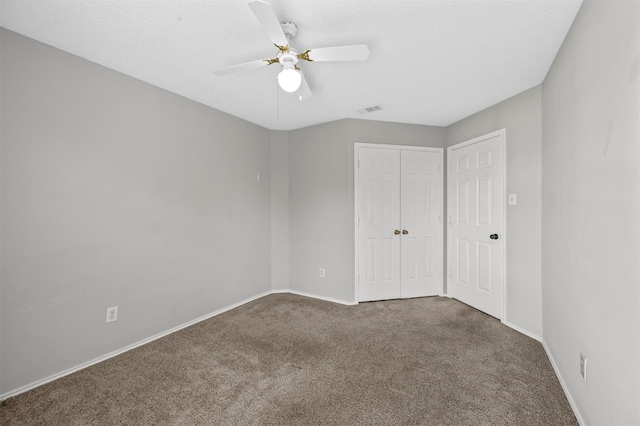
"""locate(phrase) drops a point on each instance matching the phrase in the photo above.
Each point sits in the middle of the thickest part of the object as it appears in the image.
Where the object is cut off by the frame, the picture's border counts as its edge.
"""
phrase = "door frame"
(356, 193)
(502, 133)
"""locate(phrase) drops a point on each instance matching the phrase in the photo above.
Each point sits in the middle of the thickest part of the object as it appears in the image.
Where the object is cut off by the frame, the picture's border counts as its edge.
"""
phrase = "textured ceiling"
(432, 62)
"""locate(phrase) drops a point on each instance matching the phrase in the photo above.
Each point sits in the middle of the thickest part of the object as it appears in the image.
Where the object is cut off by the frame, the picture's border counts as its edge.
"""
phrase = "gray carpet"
(291, 360)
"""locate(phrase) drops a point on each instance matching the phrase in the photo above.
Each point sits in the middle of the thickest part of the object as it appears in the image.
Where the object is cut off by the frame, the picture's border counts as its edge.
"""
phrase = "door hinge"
(450, 166)
(450, 273)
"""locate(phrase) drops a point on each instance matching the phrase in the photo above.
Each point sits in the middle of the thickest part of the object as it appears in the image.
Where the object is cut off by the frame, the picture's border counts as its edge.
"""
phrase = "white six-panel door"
(399, 222)
(476, 205)
(421, 222)
(379, 224)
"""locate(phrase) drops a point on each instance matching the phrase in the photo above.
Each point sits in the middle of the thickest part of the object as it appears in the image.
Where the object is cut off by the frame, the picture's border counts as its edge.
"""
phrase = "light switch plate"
(583, 366)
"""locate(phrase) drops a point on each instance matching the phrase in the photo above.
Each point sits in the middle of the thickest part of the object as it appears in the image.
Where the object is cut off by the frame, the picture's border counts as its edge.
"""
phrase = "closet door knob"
(405, 232)
(494, 236)
(397, 231)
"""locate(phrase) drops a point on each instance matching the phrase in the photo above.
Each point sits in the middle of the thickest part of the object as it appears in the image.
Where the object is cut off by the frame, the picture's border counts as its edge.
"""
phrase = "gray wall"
(320, 212)
(322, 199)
(521, 116)
(591, 211)
(395, 134)
(115, 192)
(279, 210)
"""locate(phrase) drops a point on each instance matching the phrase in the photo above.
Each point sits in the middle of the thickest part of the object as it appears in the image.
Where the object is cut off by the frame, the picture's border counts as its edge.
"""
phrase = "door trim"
(356, 156)
(502, 133)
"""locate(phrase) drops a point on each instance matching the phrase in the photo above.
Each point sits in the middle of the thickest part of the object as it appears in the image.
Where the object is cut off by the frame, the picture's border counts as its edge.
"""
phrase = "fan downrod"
(290, 29)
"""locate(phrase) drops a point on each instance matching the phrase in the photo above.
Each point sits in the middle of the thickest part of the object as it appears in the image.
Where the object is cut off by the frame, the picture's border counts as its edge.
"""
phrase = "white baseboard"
(314, 296)
(574, 407)
(82, 366)
(523, 331)
(105, 357)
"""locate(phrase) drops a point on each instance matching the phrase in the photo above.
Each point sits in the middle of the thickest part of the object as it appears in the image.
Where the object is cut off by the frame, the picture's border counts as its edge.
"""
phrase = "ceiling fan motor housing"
(290, 57)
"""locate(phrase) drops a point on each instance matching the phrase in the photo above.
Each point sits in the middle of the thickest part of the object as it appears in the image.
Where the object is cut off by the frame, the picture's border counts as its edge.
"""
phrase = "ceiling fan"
(290, 77)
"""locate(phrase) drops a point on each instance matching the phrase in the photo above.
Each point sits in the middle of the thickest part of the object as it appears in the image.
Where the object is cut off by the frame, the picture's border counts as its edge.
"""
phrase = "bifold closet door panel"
(379, 219)
(421, 252)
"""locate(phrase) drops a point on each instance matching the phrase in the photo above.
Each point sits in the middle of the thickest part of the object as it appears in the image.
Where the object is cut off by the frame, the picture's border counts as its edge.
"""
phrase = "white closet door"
(421, 220)
(400, 245)
(379, 218)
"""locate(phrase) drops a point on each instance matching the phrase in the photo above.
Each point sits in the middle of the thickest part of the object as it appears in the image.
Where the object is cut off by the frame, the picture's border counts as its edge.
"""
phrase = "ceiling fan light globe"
(289, 80)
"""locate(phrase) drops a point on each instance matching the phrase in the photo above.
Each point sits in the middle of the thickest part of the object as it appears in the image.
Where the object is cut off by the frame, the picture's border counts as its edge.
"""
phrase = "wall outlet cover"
(112, 314)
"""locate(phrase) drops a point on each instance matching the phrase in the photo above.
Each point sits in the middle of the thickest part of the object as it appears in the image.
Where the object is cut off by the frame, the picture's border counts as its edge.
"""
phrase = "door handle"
(494, 236)
(405, 232)
(397, 231)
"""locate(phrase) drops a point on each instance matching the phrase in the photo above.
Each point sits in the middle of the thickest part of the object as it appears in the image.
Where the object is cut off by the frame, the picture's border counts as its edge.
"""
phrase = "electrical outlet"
(583, 366)
(112, 314)
(321, 273)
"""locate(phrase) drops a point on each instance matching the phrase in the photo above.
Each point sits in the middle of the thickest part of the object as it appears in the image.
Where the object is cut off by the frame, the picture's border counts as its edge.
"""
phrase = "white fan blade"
(242, 67)
(356, 52)
(267, 17)
(303, 92)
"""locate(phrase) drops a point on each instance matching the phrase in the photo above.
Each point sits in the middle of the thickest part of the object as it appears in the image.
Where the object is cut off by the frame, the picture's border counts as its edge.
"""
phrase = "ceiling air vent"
(370, 109)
